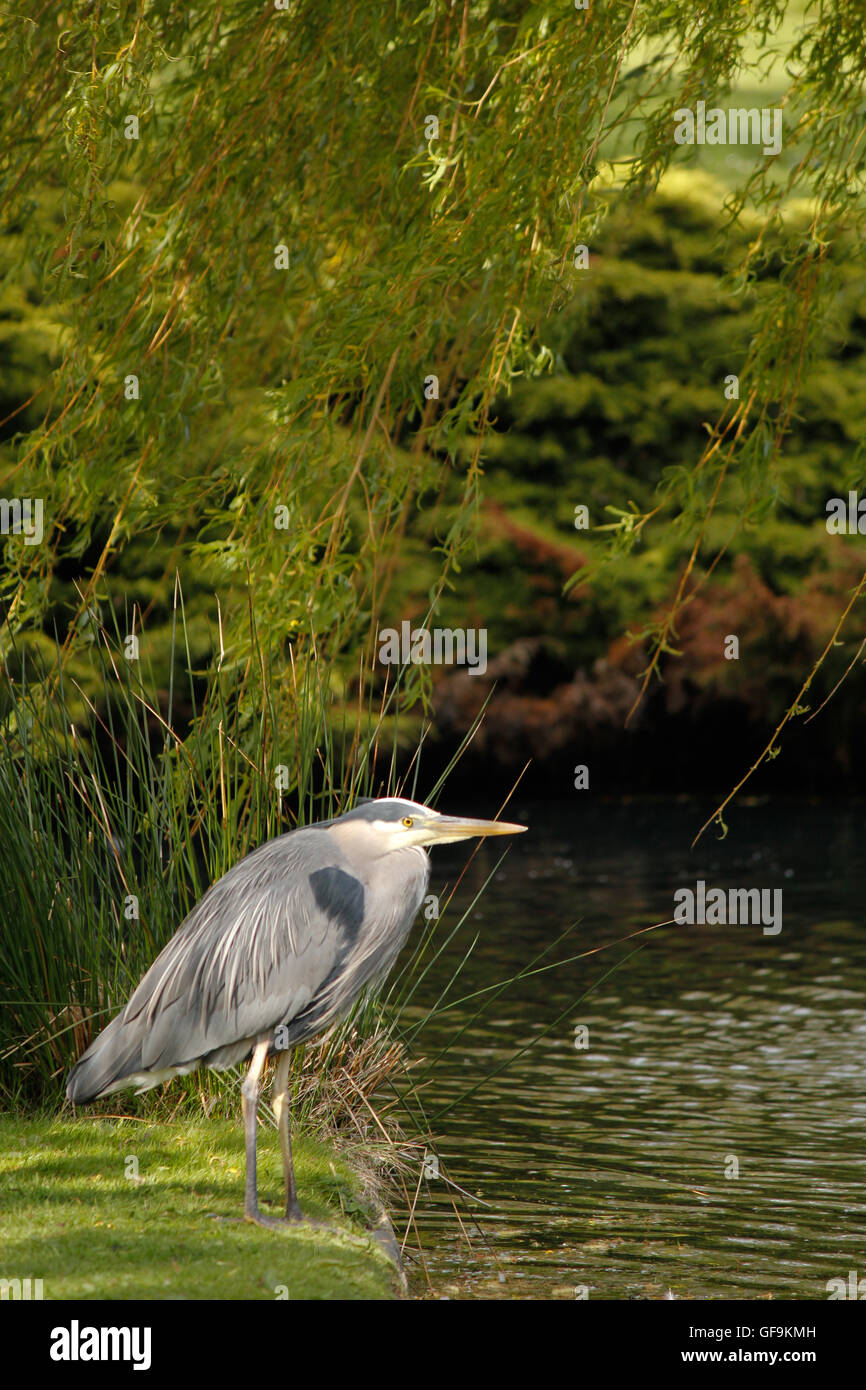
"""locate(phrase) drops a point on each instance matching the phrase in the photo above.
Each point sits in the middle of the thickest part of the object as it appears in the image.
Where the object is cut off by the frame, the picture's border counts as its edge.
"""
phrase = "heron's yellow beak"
(443, 830)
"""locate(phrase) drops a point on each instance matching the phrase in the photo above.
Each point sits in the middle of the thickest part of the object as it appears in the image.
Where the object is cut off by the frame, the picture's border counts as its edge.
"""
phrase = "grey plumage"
(286, 937)
(277, 949)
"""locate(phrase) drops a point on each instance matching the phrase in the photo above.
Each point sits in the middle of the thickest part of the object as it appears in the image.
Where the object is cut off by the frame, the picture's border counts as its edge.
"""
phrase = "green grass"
(72, 1217)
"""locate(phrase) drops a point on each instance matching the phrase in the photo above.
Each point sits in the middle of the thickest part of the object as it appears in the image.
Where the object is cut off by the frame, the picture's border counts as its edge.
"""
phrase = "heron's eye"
(408, 822)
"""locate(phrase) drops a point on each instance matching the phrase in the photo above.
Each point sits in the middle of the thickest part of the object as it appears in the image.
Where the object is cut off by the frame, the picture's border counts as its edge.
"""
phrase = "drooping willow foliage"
(286, 256)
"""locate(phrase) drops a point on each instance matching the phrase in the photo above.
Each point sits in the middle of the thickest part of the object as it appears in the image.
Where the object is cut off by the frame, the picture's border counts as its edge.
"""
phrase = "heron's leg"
(250, 1104)
(282, 1103)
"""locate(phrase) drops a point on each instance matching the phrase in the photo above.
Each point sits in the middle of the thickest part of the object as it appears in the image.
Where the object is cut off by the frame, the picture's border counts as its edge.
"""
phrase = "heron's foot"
(293, 1217)
(274, 1223)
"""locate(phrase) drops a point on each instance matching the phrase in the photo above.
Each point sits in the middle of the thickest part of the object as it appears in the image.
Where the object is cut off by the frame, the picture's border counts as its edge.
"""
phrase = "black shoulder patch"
(340, 896)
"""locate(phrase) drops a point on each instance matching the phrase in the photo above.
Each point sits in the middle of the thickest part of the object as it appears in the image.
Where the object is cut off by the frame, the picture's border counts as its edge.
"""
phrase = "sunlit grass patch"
(124, 1209)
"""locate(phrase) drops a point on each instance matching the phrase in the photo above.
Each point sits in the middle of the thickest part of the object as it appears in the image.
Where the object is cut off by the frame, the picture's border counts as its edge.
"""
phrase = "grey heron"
(277, 949)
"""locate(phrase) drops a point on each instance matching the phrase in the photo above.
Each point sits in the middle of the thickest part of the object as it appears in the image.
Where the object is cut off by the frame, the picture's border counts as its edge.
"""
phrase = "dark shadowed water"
(709, 1140)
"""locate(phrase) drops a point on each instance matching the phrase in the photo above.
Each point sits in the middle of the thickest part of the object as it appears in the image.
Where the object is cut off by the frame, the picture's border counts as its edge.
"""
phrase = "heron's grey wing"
(251, 955)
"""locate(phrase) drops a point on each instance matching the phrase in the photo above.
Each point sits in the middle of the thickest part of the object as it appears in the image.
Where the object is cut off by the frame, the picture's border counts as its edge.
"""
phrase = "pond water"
(708, 1141)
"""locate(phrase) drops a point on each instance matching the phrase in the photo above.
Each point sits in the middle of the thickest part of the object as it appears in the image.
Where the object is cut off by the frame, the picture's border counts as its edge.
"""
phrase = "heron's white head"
(392, 823)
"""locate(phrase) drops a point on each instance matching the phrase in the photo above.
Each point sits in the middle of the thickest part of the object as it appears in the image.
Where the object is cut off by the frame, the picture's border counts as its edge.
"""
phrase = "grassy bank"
(124, 1209)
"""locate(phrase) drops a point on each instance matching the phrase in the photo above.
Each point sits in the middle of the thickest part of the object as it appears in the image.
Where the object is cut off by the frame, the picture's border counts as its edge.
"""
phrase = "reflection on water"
(709, 1049)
